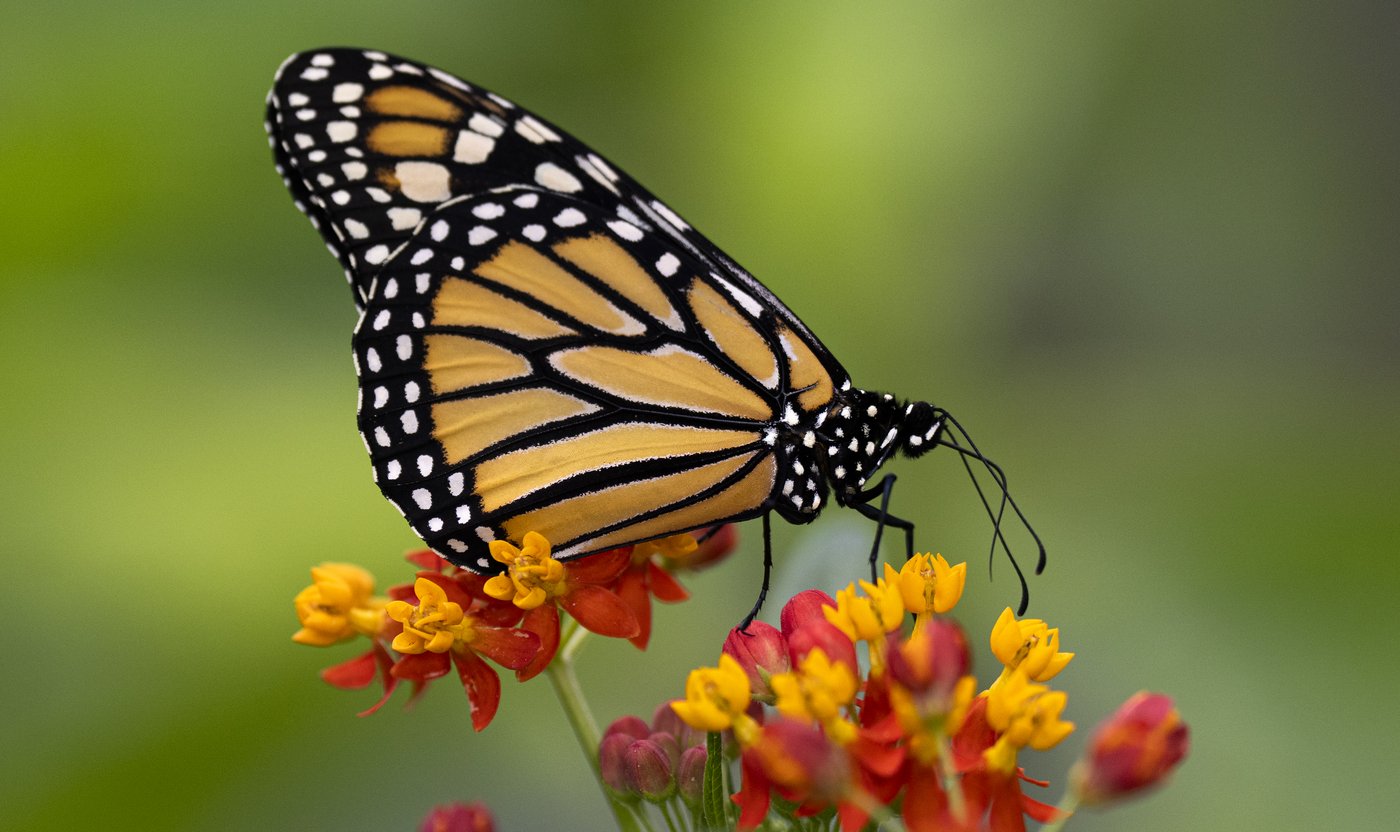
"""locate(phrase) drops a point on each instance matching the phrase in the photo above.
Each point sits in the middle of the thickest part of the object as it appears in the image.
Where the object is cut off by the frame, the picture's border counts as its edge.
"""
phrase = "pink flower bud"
(459, 817)
(649, 770)
(612, 764)
(761, 652)
(803, 607)
(690, 775)
(665, 721)
(629, 726)
(1135, 748)
(818, 632)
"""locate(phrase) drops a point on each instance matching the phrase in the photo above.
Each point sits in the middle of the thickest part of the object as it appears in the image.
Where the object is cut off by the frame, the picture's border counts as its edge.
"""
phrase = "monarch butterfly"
(545, 346)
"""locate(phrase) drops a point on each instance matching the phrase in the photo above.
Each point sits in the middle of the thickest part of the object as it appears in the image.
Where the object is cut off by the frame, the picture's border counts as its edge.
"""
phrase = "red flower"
(539, 584)
(644, 578)
(438, 633)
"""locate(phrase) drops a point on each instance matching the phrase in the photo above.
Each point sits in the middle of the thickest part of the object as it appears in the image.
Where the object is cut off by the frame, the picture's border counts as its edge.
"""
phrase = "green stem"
(951, 785)
(1068, 804)
(570, 695)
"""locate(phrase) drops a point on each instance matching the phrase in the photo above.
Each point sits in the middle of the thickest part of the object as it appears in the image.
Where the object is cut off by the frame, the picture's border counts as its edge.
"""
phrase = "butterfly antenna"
(970, 452)
(1001, 480)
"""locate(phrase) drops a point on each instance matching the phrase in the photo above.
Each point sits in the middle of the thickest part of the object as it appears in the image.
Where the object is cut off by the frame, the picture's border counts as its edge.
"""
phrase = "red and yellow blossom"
(437, 633)
(929, 585)
(717, 699)
(1029, 645)
(540, 585)
(818, 691)
(338, 605)
(1023, 714)
(869, 617)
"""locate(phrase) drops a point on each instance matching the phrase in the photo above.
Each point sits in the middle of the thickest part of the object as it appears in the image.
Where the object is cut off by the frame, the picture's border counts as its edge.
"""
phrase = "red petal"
(506, 646)
(601, 568)
(876, 757)
(753, 796)
(600, 611)
(632, 589)
(401, 592)
(974, 736)
(925, 802)
(421, 667)
(1041, 812)
(852, 817)
(386, 675)
(664, 586)
(543, 621)
(428, 559)
(482, 685)
(1006, 806)
(351, 675)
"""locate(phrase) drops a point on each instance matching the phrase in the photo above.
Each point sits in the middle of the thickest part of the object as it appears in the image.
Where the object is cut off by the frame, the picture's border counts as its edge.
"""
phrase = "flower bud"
(690, 775)
(818, 632)
(803, 607)
(612, 765)
(459, 817)
(649, 770)
(628, 726)
(665, 720)
(932, 660)
(1135, 748)
(668, 744)
(761, 652)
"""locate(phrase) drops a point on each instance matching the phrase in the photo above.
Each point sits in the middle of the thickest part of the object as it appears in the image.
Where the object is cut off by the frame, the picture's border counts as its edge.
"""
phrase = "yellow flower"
(673, 547)
(869, 618)
(532, 577)
(818, 691)
(1028, 645)
(1026, 714)
(928, 584)
(338, 604)
(717, 698)
(434, 625)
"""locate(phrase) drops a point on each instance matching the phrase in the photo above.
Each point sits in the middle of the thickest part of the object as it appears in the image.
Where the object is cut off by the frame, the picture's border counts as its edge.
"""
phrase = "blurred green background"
(1148, 253)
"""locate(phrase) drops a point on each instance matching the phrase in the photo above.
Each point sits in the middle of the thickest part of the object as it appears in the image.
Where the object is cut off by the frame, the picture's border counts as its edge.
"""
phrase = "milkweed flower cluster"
(448, 618)
(908, 732)
(854, 710)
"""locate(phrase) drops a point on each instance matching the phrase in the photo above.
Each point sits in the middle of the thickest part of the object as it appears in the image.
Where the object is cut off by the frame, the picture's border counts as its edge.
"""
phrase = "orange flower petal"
(506, 646)
(544, 623)
(601, 611)
(482, 686)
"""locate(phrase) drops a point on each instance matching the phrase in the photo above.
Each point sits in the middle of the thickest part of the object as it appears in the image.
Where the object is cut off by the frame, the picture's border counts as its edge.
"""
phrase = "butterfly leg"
(882, 518)
(767, 569)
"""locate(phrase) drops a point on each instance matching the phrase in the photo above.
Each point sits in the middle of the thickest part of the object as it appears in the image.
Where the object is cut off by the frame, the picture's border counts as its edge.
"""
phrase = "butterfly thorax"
(862, 429)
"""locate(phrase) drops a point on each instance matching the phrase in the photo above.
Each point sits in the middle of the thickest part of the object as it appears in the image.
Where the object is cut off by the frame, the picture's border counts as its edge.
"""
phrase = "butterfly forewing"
(544, 346)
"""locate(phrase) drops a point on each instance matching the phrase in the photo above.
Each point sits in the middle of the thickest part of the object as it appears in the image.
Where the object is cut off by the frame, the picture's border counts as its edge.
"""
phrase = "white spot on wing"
(346, 93)
(424, 181)
(556, 178)
(472, 147)
(531, 128)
